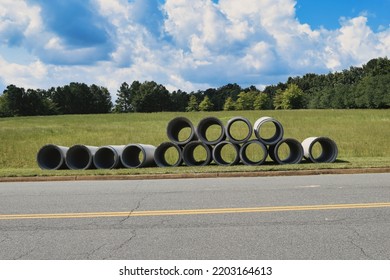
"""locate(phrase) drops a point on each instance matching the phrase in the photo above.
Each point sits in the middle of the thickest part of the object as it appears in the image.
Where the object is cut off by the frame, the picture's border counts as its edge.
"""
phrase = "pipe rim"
(204, 125)
(114, 154)
(295, 151)
(59, 157)
(244, 157)
(135, 156)
(329, 150)
(159, 155)
(279, 131)
(188, 154)
(74, 152)
(217, 154)
(175, 126)
(229, 134)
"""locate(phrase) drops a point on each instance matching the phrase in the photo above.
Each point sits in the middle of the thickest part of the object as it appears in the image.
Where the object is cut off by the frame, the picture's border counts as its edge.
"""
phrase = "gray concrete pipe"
(52, 157)
(138, 155)
(246, 159)
(204, 125)
(108, 157)
(220, 158)
(329, 150)
(176, 125)
(80, 157)
(278, 135)
(235, 139)
(162, 150)
(295, 151)
(189, 154)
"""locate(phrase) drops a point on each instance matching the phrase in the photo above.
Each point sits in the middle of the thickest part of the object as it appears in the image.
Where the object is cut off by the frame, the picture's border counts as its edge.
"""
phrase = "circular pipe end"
(235, 139)
(329, 150)
(189, 154)
(261, 149)
(138, 155)
(175, 126)
(205, 125)
(276, 137)
(106, 157)
(220, 159)
(51, 157)
(295, 151)
(161, 153)
(80, 157)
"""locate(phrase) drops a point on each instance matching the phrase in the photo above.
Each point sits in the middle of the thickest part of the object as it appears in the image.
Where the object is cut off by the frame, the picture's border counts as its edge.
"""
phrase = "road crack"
(123, 244)
(351, 239)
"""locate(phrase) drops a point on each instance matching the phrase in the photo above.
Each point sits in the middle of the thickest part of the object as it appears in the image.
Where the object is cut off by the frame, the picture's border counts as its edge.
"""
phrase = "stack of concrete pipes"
(143, 155)
(213, 147)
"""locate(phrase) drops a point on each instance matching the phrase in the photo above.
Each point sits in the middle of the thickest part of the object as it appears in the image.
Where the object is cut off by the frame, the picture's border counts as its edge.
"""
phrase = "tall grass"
(358, 133)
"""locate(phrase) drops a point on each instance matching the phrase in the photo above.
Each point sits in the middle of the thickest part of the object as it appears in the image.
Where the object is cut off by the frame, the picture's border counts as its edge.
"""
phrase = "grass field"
(362, 137)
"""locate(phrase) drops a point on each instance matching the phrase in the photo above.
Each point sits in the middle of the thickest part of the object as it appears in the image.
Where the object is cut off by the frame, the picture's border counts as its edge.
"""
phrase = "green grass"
(362, 137)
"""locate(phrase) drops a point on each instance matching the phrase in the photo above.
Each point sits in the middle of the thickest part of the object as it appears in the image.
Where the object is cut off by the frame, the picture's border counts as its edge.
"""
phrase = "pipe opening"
(323, 150)
(168, 155)
(106, 158)
(132, 156)
(51, 157)
(268, 130)
(196, 154)
(79, 157)
(226, 153)
(211, 131)
(138, 155)
(253, 153)
(238, 130)
(287, 151)
(180, 130)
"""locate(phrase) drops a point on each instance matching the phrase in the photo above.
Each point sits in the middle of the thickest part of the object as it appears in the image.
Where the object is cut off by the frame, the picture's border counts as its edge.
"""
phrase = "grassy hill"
(362, 137)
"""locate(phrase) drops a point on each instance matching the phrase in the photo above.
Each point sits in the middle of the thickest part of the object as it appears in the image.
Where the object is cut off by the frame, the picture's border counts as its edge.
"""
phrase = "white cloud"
(198, 44)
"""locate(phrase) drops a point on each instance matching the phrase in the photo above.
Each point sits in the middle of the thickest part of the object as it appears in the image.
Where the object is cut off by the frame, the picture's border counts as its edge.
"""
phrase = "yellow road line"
(195, 211)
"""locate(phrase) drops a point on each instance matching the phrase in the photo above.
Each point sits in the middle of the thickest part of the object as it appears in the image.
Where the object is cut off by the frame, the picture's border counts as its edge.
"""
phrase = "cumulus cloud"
(180, 43)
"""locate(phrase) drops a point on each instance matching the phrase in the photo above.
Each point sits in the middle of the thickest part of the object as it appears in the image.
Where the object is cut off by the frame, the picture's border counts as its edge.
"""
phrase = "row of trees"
(359, 87)
(75, 98)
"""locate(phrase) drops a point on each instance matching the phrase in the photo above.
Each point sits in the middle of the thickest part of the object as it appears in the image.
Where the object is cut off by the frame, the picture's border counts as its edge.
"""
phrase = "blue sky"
(186, 44)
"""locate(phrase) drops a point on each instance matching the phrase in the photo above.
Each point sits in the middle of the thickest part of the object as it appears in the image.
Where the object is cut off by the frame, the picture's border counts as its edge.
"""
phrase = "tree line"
(357, 87)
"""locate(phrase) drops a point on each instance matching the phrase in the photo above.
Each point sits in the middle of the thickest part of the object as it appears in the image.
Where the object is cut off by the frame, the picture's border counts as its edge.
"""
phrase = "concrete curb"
(196, 175)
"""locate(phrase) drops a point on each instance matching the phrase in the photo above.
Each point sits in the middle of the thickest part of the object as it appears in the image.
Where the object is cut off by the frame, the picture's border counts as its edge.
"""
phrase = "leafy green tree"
(123, 101)
(262, 102)
(246, 100)
(229, 104)
(278, 99)
(151, 97)
(179, 101)
(193, 105)
(206, 104)
(4, 107)
(293, 98)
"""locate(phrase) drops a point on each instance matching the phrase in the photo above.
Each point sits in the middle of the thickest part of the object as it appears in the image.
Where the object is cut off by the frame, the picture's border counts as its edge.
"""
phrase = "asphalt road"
(305, 217)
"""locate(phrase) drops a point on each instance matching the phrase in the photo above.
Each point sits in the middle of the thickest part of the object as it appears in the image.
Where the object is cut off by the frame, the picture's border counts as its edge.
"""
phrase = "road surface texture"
(304, 217)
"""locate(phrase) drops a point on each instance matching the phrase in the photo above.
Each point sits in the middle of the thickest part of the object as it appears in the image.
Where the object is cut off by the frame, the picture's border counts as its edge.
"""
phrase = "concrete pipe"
(108, 157)
(191, 159)
(52, 157)
(295, 151)
(257, 157)
(207, 124)
(222, 156)
(181, 131)
(277, 135)
(80, 157)
(138, 155)
(166, 149)
(328, 153)
(243, 134)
